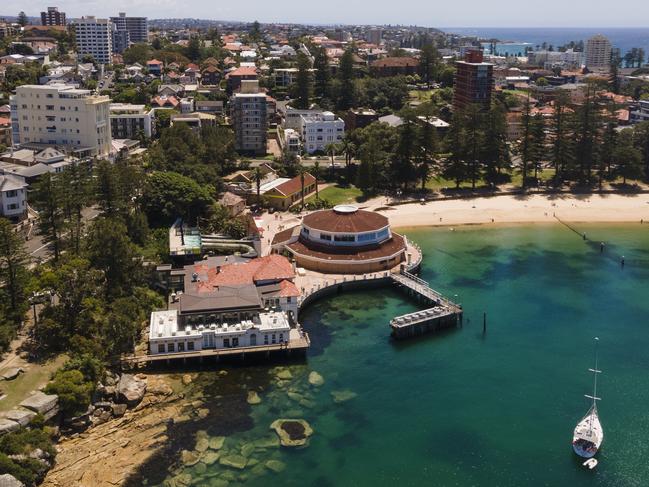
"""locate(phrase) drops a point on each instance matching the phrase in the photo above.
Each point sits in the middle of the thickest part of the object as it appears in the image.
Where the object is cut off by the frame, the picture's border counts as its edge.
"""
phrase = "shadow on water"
(405, 344)
(228, 413)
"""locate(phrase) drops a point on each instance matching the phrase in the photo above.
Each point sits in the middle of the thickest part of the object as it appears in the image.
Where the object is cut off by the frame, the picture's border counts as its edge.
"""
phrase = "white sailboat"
(588, 435)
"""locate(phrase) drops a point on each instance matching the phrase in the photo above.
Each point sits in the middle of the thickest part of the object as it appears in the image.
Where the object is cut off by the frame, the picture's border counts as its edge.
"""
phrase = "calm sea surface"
(624, 39)
(459, 408)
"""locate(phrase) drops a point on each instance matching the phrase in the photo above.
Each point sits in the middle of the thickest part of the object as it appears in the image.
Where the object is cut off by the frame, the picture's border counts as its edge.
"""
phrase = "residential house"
(211, 76)
(235, 77)
(13, 197)
(234, 203)
(283, 193)
(393, 66)
(155, 67)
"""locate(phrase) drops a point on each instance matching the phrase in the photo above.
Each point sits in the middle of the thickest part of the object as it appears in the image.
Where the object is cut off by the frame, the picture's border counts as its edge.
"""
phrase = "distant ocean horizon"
(622, 38)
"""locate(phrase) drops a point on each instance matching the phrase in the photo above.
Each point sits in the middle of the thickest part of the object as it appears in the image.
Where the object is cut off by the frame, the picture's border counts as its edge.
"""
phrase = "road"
(41, 251)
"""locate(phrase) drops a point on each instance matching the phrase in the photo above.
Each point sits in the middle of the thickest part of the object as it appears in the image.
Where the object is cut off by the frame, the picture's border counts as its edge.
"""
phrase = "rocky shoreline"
(111, 450)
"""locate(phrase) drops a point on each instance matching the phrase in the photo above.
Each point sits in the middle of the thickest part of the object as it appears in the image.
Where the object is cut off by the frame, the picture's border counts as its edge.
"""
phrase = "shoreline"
(514, 209)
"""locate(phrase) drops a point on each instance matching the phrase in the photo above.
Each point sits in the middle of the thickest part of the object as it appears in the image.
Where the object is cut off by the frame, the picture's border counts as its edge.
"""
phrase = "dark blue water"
(621, 38)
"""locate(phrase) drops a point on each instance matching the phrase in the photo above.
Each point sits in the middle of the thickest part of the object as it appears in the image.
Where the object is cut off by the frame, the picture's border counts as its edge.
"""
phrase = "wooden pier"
(298, 344)
(441, 312)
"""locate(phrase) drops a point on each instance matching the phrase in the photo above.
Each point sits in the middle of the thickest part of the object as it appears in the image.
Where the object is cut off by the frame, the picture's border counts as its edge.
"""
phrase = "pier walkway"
(442, 312)
(298, 343)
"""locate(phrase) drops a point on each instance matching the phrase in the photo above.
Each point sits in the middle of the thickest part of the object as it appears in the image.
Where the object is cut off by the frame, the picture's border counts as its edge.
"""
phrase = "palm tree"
(331, 150)
(258, 177)
(316, 175)
(302, 172)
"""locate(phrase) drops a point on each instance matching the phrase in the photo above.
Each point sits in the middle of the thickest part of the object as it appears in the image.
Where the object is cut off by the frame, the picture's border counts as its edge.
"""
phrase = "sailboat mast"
(595, 372)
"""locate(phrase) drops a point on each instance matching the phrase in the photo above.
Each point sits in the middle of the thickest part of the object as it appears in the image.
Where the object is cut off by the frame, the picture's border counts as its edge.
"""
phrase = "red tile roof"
(153, 61)
(332, 221)
(294, 185)
(288, 289)
(269, 268)
(395, 62)
(4, 121)
(162, 101)
(244, 71)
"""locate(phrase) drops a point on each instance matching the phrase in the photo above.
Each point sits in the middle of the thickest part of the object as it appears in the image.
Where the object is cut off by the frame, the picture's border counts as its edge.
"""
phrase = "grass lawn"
(543, 175)
(338, 195)
(421, 95)
(35, 376)
(437, 184)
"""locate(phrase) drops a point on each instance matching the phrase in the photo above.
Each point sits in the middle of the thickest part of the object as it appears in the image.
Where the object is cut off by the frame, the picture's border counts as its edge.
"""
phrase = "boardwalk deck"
(298, 343)
(442, 312)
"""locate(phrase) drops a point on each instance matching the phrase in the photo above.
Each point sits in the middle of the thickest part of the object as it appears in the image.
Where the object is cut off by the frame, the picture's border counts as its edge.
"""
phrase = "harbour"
(465, 441)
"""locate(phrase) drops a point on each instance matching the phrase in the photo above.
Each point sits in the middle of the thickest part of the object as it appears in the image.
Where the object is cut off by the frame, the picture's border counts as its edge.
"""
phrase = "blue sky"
(431, 13)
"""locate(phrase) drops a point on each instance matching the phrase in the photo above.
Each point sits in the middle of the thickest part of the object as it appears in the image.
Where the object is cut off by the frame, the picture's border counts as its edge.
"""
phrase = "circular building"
(344, 240)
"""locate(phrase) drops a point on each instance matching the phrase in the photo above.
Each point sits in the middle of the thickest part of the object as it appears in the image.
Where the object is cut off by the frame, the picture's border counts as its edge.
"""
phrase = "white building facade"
(598, 52)
(166, 336)
(128, 121)
(319, 130)
(63, 116)
(95, 38)
(13, 197)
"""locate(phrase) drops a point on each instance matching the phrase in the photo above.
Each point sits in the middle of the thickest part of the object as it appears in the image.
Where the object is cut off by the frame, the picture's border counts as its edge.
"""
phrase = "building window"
(161, 348)
(226, 342)
(265, 339)
(344, 238)
(12, 193)
(171, 347)
(324, 236)
(190, 346)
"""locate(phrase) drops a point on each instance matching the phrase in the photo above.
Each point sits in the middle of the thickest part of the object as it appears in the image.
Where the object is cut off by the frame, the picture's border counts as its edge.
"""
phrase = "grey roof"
(9, 182)
(392, 120)
(25, 171)
(48, 154)
(222, 298)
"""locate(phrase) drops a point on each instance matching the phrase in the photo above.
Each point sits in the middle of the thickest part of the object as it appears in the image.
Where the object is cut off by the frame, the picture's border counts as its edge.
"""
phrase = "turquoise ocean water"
(460, 408)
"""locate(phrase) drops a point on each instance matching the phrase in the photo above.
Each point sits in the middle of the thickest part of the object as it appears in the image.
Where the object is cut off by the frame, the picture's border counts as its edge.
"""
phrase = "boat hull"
(588, 435)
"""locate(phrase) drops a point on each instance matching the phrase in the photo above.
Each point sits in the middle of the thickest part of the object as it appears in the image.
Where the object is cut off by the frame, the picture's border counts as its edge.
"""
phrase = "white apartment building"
(65, 117)
(95, 37)
(13, 197)
(598, 52)
(292, 141)
(319, 130)
(128, 121)
(287, 76)
(291, 117)
(549, 59)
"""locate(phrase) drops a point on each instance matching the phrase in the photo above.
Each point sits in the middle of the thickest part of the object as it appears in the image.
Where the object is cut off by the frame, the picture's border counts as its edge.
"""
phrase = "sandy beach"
(609, 208)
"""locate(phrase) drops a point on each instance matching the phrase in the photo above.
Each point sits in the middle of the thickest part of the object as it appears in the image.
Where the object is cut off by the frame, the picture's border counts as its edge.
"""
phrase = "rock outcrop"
(105, 455)
(130, 389)
(7, 480)
(292, 432)
(41, 403)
